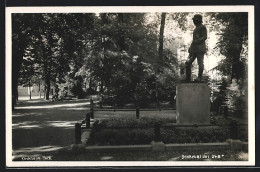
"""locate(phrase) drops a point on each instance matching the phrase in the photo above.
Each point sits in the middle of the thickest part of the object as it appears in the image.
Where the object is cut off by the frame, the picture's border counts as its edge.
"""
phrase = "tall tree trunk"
(48, 86)
(236, 68)
(15, 88)
(30, 91)
(121, 17)
(102, 82)
(102, 74)
(160, 51)
(17, 59)
(90, 83)
(14, 91)
(44, 92)
(40, 89)
(18, 46)
(101, 89)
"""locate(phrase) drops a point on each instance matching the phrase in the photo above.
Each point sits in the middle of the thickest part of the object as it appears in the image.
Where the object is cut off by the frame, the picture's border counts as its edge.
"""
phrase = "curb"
(121, 148)
(167, 147)
(132, 109)
(198, 146)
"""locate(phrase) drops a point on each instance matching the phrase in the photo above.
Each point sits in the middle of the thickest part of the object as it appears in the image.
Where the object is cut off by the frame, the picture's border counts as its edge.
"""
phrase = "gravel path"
(40, 126)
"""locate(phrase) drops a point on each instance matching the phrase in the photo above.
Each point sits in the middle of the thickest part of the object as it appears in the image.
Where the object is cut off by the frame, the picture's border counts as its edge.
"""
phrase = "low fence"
(234, 127)
(78, 125)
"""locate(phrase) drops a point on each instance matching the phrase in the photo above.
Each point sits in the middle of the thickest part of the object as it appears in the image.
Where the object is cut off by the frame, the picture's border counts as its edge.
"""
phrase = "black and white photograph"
(130, 86)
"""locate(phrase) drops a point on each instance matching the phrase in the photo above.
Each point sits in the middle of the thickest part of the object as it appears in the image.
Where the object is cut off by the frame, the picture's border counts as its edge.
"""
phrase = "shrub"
(120, 137)
(142, 132)
(133, 122)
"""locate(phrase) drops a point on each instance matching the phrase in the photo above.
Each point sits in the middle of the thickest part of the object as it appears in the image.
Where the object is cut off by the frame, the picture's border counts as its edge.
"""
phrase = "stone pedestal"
(193, 103)
(158, 146)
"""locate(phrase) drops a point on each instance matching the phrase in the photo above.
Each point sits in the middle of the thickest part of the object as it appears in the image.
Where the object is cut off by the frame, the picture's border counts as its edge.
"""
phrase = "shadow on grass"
(35, 137)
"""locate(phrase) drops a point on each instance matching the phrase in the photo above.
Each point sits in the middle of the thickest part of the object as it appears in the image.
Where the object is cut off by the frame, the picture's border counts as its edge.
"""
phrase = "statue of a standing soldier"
(197, 48)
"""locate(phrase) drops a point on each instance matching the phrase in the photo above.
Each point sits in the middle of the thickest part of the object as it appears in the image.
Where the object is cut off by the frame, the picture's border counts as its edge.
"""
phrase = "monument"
(193, 98)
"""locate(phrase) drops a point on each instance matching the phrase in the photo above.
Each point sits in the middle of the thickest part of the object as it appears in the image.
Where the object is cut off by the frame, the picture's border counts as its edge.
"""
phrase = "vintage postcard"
(130, 86)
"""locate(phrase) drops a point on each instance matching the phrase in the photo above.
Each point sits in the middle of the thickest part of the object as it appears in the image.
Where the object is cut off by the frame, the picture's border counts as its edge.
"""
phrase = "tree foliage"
(232, 43)
(119, 55)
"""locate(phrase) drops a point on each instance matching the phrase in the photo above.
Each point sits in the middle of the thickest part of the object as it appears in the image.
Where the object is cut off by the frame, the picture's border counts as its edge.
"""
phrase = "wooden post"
(91, 113)
(233, 130)
(225, 112)
(101, 101)
(13, 102)
(77, 133)
(157, 133)
(88, 120)
(114, 104)
(137, 112)
(91, 103)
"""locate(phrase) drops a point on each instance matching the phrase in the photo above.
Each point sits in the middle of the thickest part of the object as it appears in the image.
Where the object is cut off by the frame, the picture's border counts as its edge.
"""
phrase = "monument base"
(193, 103)
(158, 146)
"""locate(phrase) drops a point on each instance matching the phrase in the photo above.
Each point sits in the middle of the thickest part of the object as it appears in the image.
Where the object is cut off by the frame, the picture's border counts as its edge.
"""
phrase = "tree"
(21, 32)
(232, 43)
(29, 70)
(117, 50)
(219, 96)
(160, 51)
(59, 40)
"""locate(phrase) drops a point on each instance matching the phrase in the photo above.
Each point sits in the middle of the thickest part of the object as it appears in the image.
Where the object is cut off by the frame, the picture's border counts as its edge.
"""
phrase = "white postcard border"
(146, 9)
